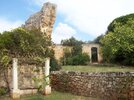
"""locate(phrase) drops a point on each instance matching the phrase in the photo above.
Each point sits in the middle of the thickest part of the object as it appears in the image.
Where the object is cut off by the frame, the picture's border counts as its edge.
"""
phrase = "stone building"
(92, 49)
(94, 52)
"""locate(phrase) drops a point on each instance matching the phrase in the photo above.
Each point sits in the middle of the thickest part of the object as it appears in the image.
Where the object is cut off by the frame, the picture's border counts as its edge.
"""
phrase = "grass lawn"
(97, 69)
(54, 96)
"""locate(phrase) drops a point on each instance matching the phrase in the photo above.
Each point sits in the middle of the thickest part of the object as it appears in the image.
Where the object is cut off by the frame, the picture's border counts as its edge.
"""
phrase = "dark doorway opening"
(94, 54)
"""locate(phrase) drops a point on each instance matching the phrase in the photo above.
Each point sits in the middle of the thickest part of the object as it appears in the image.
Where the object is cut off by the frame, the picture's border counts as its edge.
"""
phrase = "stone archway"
(94, 54)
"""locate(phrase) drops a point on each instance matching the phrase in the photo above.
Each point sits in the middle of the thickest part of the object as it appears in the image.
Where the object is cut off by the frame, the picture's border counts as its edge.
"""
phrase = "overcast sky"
(83, 19)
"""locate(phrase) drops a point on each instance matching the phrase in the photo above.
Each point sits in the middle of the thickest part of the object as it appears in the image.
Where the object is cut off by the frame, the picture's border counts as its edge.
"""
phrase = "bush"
(54, 64)
(3, 91)
(80, 59)
(74, 56)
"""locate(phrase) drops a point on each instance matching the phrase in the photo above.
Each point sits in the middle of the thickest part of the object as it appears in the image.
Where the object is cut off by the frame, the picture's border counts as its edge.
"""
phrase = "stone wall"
(26, 73)
(86, 48)
(59, 51)
(43, 20)
(105, 85)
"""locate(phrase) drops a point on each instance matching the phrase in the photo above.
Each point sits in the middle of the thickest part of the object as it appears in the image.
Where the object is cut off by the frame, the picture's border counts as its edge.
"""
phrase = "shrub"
(74, 55)
(80, 59)
(3, 91)
(54, 64)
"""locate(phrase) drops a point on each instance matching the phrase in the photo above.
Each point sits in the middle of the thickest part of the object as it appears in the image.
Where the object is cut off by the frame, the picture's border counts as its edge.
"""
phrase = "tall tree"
(71, 42)
(118, 43)
(97, 40)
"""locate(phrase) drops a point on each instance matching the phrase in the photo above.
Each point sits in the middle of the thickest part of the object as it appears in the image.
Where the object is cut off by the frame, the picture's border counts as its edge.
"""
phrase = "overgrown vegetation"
(118, 43)
(31, 47)
(73, 55)
(23, 43)
(40, 83)
(3, 91)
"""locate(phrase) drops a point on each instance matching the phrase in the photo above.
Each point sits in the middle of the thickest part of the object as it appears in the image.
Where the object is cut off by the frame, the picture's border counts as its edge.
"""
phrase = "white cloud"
(6, 25)
(62, 31)
(91, 16)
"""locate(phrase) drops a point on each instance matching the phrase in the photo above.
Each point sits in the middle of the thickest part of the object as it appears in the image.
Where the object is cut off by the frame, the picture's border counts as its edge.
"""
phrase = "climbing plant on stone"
(28, 46)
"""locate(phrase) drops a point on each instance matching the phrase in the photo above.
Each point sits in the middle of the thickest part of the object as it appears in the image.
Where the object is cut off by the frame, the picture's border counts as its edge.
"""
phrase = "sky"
(82, 19)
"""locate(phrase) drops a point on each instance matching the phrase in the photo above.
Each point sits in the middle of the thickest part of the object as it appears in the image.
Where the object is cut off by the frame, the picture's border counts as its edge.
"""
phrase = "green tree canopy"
(118, 43)
(22, 43)
(76, 45)
(97, 40)
(71, 42)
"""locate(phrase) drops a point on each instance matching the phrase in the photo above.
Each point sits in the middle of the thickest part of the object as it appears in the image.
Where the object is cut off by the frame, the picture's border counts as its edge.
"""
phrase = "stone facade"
(86, 48)
(103, 85)
(26, 73)
(59, 51)
(43, 20)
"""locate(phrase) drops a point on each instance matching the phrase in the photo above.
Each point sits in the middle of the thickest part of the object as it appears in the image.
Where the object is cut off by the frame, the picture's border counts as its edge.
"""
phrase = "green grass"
(97, 69)
(54, 96)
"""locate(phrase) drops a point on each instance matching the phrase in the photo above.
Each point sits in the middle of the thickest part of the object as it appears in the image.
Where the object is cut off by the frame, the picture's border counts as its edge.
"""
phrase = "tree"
(97, 40)
(76, 45)
(71, 42)
(118, 43)
(21, 42)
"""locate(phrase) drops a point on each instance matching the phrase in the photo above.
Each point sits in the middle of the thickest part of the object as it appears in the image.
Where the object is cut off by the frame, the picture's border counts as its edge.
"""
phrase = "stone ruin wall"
(26, 73)
(101, 85)
(59, 51)
(86, 48)
(43, 20)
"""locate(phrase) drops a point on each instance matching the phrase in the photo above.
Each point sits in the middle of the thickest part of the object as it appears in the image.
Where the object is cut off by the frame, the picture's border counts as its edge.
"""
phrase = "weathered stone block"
(47, 90)
(15, 94)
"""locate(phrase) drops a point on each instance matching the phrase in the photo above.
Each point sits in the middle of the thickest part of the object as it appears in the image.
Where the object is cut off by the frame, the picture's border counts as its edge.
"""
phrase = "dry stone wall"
(104, 85)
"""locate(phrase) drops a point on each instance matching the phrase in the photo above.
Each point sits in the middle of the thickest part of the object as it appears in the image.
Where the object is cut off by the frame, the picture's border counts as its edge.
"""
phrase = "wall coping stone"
(95, 74)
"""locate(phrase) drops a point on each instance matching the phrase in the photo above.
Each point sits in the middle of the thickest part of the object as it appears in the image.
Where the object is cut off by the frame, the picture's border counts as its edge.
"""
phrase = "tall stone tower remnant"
(43, 20)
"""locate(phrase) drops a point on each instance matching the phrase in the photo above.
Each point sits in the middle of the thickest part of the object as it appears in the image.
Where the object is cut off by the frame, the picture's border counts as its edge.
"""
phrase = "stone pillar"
(47, 73)
(90, 52)
(15, 93)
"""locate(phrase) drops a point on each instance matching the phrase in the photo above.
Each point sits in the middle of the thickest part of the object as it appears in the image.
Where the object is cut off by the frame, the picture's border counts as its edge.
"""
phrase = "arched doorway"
(94, 54)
